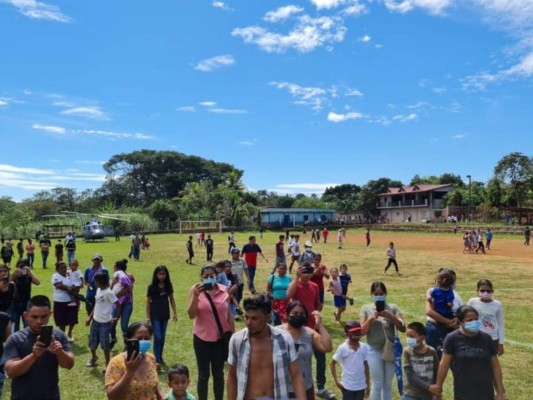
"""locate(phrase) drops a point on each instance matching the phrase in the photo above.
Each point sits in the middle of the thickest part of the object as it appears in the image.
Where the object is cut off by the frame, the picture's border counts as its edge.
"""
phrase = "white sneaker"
(325, 394)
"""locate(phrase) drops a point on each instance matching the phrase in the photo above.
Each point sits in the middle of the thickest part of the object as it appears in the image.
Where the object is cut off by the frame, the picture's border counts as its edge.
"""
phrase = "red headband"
(356, 329)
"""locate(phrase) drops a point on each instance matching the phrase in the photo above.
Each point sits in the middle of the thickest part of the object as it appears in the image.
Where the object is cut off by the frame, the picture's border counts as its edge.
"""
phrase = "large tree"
(149, 175)
(517, 170)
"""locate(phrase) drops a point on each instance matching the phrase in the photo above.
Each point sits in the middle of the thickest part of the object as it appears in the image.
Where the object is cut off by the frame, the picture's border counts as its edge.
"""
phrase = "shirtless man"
(258, 367)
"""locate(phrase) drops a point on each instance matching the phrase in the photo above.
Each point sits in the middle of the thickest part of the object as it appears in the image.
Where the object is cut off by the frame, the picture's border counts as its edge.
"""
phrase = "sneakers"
(92, 362)
(325, 394)
(70, 339)
(350, 300)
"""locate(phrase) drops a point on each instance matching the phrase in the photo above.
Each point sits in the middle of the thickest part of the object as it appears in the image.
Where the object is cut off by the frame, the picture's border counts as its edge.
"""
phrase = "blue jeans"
(381, 375)
(70, 255)
(44, 254)
(31, 258)
(125, 314)
(160, 330)
(435, 334)
(251, 275)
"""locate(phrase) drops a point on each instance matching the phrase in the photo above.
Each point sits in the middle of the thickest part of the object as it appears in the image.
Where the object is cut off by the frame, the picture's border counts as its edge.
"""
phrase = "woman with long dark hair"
(122, 287)
(159, 299)
(209, 307)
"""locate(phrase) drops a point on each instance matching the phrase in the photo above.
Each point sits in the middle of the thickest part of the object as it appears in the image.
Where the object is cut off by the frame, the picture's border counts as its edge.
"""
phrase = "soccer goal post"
(200, 226)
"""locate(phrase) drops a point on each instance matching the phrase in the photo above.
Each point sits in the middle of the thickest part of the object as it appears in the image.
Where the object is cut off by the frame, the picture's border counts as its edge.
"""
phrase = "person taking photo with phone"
(209, 307)
(32, 357)
(379, 321)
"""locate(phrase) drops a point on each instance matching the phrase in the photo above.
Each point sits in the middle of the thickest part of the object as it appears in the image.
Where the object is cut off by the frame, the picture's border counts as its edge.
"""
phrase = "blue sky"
(299, 94)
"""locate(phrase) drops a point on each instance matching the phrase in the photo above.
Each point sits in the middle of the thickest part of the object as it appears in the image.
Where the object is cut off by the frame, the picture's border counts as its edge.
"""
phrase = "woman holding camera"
(65, 306)
(379, 320)
(134, 377)
(23, 277)
(209, 307)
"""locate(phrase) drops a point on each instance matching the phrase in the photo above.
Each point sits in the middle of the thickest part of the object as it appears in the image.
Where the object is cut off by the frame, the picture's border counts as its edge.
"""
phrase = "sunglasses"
(486, 290)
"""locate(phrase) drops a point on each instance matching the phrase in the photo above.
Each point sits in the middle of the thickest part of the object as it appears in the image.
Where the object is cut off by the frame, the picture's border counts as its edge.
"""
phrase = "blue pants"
(320, 369)
(44, 254)
(31, 258)
(160, 330)
(125, 314)
(70, 255)
(19, 309)
(251, 275)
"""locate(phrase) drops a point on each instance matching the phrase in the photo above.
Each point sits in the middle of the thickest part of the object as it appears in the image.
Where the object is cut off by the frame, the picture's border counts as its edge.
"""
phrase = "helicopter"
(94, 229)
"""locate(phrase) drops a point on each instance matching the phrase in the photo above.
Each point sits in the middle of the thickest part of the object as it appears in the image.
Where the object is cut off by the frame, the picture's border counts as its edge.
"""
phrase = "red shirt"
(308, 295)
(318, 277)
(250, 251)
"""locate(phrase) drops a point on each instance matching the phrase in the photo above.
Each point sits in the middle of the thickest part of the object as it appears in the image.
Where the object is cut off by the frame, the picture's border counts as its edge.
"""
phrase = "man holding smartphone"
(32, 366)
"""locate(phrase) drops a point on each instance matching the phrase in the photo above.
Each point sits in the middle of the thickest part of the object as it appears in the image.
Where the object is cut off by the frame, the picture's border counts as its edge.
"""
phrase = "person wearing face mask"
(352, 357)
(472, 356)
(490, 313)
(420, 364)
(209, 307)
(307, 341)
(135, 378)
(379, 321)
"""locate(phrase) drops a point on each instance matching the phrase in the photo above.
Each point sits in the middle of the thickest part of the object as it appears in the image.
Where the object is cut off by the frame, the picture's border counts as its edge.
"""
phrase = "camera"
(380, 305)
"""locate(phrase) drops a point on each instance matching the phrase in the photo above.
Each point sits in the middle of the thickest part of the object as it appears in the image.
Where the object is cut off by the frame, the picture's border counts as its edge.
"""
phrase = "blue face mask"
(412, 342)
(383, 297)
(473, 326)
(144, 346)
(212, 281)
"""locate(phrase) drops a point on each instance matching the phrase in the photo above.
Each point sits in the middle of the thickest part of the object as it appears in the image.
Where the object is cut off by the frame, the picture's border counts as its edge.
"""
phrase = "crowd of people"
(272, 356)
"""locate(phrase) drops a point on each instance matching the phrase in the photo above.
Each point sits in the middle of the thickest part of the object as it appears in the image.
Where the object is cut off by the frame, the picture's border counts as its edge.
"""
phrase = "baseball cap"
(98, 256)
(235, 250)
(352, 327)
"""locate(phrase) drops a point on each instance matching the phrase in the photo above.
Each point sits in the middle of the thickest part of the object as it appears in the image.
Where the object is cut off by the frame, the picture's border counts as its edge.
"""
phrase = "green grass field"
(419, 255)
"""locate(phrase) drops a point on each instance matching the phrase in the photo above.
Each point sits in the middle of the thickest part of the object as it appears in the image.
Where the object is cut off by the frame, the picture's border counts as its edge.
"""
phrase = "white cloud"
(22, 170)
(221, 5)
(63, 104)
(334, 117)
(227, 111)
(459, 136)
(282, 13)
(311, 96)
(208, 103)
(432, 6)
(89, 112)
(354, 10)
(186, 109)
(27, 92)
(114, 135)
(213, 63)
(251, 142)
(366, 39)
(327, 4)
(405, 118)
(306, 188)
(49, 128)
(524, 68)
(3, 102)
(89, 162)
(38, 10)
(307, 35)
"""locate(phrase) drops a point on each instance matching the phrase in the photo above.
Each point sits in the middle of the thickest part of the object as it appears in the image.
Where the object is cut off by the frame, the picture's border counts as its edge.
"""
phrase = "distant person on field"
(308, 255)
(325, 234)
(70, 245)
(209, 247)
(240, 269)
(249, 253)
(391, 254)
(59, 250)
(231, 241)
(88, 278)
(479, 238)
(340, 238)
(280, 253)
(488, 238)
(294, 250)
(30, 252)
(7, 253)
(45, 245)
(527, 235)
(190, 250)
(367, 237)
(20, 248)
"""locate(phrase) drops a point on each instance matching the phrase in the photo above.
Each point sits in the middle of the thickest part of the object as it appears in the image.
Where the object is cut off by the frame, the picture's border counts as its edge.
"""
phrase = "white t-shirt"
(295, 248)
(117, 286)
(103, 307)
(353, 365)
(75, 277)
(491, 316)
(59, 294)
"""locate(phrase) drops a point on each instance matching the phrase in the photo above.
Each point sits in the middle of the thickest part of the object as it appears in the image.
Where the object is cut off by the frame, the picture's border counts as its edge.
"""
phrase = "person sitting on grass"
(102, 319)
(178, 382)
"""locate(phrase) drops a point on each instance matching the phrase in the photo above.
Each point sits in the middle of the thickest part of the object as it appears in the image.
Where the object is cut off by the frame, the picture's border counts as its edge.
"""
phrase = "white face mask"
(485, 295)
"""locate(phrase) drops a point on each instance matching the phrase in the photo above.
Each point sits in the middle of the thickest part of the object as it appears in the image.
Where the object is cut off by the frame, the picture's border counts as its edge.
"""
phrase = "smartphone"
(46, 335)
(132, 347)
(207, 286)
(380, 305)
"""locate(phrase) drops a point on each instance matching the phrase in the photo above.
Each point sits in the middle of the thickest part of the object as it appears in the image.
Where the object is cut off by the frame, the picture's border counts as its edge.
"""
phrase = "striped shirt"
(283, 353)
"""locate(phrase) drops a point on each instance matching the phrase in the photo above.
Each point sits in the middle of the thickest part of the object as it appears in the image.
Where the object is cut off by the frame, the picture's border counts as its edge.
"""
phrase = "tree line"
(159, 188)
